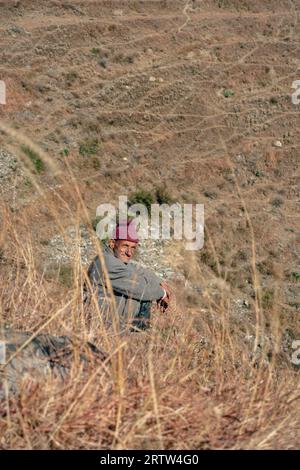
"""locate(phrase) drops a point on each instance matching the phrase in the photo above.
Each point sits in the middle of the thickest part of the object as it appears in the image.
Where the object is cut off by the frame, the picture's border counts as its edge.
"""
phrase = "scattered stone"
(152, 79)
(277, 143)
(118, 13)
(52, 73)
(8, 164)
(64, 249)
(151, 256)
(16, 30)
(241, 306)
(190, 55)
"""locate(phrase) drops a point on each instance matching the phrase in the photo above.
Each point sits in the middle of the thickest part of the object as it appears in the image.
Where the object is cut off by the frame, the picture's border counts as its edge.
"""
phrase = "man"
(134, 287)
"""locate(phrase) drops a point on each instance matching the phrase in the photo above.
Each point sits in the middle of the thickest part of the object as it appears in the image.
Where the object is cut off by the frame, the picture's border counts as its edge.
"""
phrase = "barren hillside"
(191, 100)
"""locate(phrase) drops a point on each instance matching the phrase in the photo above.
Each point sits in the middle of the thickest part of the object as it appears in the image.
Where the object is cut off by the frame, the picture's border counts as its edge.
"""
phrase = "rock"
(8, 164)
(292, 296)
(16, 30)
(118, 13)
(64, 249)
(152, 79)
(43, 355)
(52, 73)
(151, 256)
(190, 55)
(277, 143)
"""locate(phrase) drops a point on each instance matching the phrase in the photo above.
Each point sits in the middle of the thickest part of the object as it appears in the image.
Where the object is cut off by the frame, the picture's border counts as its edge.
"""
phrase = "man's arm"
(128, 280)
(135, 283)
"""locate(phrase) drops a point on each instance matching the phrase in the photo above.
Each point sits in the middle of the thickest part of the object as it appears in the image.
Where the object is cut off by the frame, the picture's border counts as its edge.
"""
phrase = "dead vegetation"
(192, 99)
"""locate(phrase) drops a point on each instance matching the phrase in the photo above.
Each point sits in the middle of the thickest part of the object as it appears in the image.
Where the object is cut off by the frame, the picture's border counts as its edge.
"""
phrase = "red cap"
(126, 231)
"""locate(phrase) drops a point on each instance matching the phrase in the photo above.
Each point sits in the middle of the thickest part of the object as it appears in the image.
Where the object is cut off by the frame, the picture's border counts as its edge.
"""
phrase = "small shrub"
(95, 163)
(162, 196)
(277, 202)
(142, 197)
(27, 183)
(65, 152)
(265, 267)
(89, 147)
(95, 221)
(130, 58)
(37, 162)
(228, 93)
(112, 28)
(71, 77)
(65, 276)
(267, 298)
(209, 259)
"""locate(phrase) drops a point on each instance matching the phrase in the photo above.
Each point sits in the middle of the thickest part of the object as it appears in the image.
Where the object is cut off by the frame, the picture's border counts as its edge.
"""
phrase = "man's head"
(123, 249)
(124, 241)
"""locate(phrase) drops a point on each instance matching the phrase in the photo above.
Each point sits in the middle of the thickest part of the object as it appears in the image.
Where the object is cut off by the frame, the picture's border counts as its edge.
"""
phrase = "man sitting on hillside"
(134, 287)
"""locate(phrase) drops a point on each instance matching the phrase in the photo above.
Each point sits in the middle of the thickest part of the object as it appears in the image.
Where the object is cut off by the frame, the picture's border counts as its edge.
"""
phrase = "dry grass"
(192, 382)
(205, 376)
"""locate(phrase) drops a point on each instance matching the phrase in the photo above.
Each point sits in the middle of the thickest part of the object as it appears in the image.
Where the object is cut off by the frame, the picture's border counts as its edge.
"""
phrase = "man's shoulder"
(111, 262)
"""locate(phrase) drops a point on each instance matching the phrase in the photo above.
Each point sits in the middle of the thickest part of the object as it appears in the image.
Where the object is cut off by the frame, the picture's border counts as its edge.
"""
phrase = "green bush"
(142, 197)
(162, 196)
(37, 162)
(228, 93)
(71, 77)
(267, 299)
(65, 276)
(89, 147)
(65, 152)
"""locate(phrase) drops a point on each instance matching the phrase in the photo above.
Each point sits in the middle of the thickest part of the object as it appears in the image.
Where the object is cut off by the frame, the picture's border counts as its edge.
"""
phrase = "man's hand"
(163, 303)
(167, 289)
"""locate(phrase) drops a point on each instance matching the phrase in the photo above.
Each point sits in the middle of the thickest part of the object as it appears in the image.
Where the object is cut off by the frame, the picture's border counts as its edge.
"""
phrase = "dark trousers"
(142, 318)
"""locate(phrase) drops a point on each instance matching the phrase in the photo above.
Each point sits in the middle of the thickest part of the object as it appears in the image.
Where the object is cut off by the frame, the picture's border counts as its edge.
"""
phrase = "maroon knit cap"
(126, 231)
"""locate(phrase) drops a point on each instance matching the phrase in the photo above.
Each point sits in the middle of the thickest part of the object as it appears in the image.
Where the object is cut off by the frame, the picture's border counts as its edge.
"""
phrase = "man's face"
(123, 249)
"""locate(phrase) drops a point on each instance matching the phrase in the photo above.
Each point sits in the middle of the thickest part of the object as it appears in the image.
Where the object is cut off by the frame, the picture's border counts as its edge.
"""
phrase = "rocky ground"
(193, 97)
